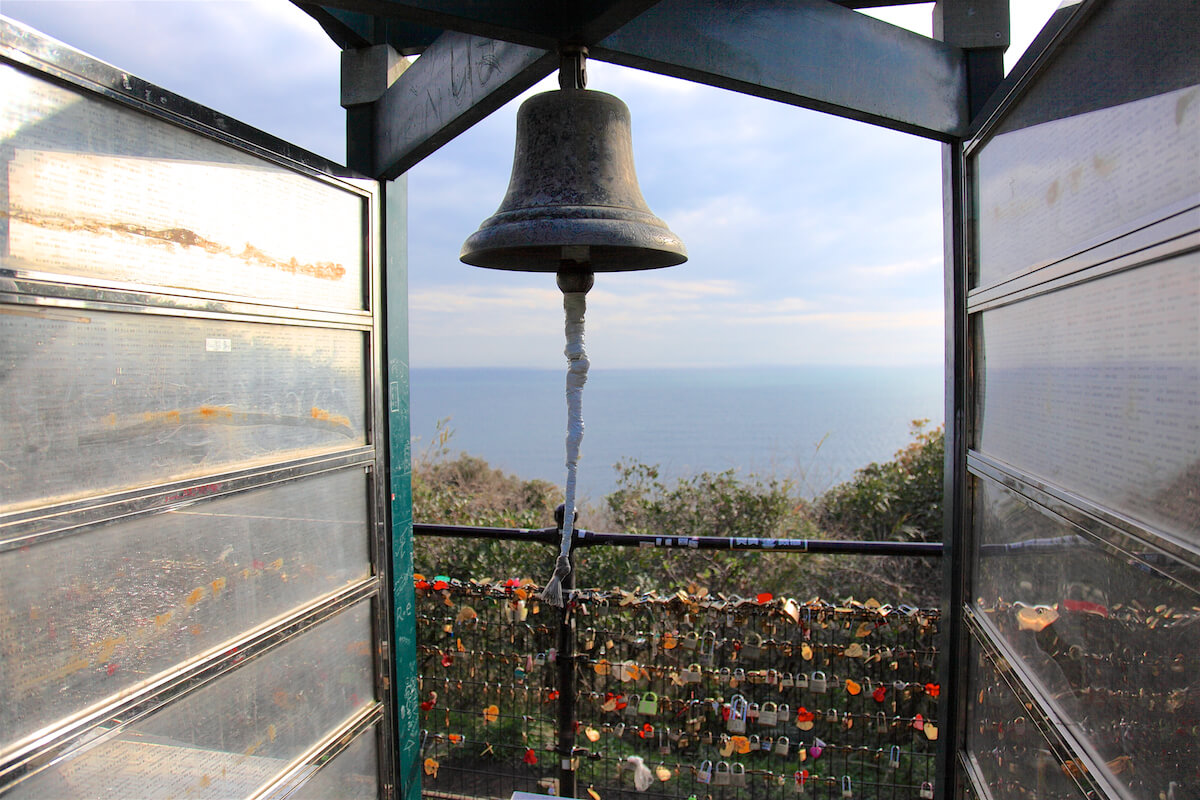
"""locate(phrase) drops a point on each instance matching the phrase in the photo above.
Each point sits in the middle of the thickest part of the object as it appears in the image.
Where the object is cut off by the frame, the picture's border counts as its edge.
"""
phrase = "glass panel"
(234, 734)
(1113, 641)
(1048, 189)
(99, 401)
(1016, 761)
(97, 190)
(1094, 388)
(85, 616)
(352, 775)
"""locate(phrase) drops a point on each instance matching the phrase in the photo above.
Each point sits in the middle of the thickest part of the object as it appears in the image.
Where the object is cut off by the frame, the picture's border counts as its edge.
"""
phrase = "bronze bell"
(573, 202)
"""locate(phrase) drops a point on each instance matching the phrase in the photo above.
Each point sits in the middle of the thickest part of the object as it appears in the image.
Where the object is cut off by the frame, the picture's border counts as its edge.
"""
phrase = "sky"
(812, 239)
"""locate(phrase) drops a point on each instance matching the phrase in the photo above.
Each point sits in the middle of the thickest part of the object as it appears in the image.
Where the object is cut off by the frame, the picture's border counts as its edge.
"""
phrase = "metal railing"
(674, 696)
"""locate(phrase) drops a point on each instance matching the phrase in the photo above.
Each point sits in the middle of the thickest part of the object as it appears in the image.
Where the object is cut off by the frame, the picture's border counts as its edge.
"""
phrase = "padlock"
(737, 715)
(817, 684)
(926, 791)
(708, 648)
(721, 776)
(817, 748)
(648, 706)
(784, 715)
(894, 757)
(773, 677)
(831, 715)
(801, 680)
(737, 678)
(847, 788)
(752, 712)
(787, 680)
(737, 774)
(539, 660)
(799, 779)
(632, 703)
(691, 640)
(881, 722)
(693, 673)
(782, 745)
(729, 605)
(752, 647)
(754, 743)
(704, 773)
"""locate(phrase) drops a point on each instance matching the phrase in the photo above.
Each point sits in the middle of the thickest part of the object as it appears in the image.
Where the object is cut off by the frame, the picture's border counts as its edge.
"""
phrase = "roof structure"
(472, 56)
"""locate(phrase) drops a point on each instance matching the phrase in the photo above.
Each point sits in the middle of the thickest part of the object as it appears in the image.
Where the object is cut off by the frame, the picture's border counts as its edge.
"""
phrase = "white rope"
(574, 304)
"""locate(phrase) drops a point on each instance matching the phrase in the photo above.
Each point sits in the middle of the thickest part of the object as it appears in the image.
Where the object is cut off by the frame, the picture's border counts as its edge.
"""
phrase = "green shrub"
(898, 500)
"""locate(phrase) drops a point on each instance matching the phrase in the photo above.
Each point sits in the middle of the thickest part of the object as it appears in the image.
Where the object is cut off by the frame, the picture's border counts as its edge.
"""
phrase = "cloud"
(898, 269)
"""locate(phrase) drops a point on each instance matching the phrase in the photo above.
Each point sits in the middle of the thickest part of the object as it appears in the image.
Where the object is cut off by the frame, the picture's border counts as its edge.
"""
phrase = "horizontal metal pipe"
(593, 539)
(544, 535)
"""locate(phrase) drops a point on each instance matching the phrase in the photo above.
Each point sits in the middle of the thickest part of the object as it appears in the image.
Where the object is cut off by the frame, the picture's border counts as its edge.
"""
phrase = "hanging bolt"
(572, 66)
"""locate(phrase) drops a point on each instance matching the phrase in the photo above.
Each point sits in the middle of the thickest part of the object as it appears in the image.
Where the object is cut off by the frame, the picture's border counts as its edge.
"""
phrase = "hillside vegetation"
(898, 500)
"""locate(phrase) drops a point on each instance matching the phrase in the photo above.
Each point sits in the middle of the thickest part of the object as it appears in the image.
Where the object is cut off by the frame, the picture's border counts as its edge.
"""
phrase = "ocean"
(812, 425)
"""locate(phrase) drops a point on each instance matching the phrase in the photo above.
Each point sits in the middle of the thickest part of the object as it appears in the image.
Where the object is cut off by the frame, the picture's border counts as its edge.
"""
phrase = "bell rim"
(547, 259)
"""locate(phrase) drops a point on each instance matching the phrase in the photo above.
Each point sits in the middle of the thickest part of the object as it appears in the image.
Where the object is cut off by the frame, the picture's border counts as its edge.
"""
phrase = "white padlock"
(817, 683)
(926, 791)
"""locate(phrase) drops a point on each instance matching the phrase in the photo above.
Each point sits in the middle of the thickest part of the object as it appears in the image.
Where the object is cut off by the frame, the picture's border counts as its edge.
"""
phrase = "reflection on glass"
(1016, 761)
(1094, 388)
(351, 775)
(1114, 641)
(97, 190)
(86, 616)
(230, 737)
(1048, 190)
(100, 401)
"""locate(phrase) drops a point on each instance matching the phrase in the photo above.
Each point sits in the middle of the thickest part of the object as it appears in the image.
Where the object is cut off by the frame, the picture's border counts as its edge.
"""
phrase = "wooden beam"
(809, 53)
(456, 82)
